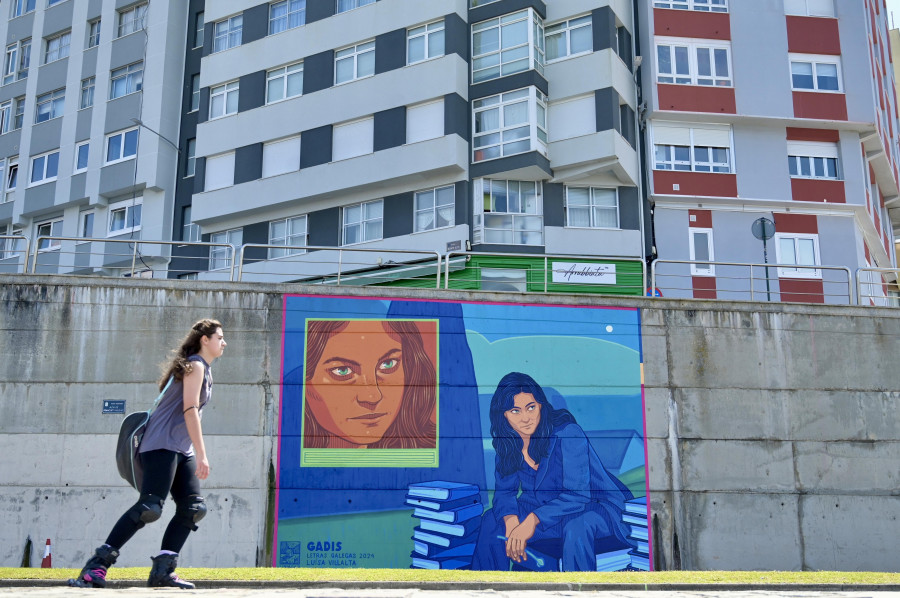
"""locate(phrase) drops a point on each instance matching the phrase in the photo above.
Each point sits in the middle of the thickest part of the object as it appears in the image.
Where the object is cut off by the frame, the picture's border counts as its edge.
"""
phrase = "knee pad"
(190, 510)
(147, 509)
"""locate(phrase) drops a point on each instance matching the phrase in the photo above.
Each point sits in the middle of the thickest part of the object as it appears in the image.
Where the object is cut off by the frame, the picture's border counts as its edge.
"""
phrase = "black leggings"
(165, 472)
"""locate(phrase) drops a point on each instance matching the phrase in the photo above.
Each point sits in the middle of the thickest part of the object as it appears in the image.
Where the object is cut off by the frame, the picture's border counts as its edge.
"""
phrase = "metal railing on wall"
(14, 251)
(877, 287)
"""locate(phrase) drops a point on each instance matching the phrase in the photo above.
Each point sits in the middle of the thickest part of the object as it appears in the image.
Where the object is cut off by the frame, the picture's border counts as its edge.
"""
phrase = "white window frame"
(199, 29)
(132, 19)
(48, 163)
(487, 138)
(229, 31)
(294, 8)
(812, 154)
(809, 8)
(353, 139)
(217, 255)
(190, 162)
(94, 31)
(802, 270)
(133, 76)
(354, 54)
(593, 203)
(17, 61)
(129, 206)
(86, 220)
(21, 7)
(284, 75)
(347, 5)
(5, 117)
(195, 93)
(426, 34)
(11, 179)
(19, 112)
(692, 164)
(365, 219)
(219, 171)
(486, 206)
(122, 135)
(425, 121)
(11, 248)
(225, 91)
(702, 268)
(565, 29)
(190, 232)
(506, 59)
(816, 61)
(698, 5)
(503, 280)
(434, 209)
(57, 47)
(270, 149)
(54, 101)
(78, 146)
(694, 48)
(296, 228)
(88, 87)
(55, 225)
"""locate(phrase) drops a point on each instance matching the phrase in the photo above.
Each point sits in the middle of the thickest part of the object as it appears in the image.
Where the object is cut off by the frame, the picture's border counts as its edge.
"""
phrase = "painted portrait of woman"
(550, 485)
(370, 384)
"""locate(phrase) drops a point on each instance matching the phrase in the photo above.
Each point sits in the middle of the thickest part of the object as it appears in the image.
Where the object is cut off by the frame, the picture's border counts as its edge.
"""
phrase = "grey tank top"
(167, 428)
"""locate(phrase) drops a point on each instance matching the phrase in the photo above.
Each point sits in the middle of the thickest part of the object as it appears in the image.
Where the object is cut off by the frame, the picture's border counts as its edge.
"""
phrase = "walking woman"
(174, 461)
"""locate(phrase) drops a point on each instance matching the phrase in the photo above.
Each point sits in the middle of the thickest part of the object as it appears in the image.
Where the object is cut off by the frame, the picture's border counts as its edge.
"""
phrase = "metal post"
(766, 260)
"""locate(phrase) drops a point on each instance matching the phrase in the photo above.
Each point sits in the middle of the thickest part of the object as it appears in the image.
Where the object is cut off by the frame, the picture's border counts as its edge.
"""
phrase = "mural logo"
(451, 435)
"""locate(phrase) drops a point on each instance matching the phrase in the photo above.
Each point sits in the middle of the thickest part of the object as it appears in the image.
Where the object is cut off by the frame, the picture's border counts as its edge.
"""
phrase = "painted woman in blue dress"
(550, 485)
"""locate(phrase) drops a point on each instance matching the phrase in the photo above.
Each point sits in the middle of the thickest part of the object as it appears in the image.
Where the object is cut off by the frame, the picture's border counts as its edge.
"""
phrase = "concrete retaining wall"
(772, 429)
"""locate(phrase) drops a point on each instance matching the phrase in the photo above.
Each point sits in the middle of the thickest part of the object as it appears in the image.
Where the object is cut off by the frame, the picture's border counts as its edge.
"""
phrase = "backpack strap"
(161, 394)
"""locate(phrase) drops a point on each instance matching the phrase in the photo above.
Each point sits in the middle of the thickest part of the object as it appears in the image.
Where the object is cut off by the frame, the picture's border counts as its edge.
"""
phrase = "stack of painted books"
(449, 515)
(635, 516)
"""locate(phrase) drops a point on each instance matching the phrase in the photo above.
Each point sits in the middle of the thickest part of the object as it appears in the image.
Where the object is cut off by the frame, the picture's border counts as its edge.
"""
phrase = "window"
(125, 217)
(93, 33)
(702, 251)
(121, 146)
(81, 156)
(198, 29)
(704, 148)
(44, 168)
(132, 19)
(190, 232)
(508, 212)
(812, 160)
(86, 225)
(195, 92)
(5, 117)
(17, 61)
(285, 82)
(687, 62)
(569, 38)
(815, 73)
(220, 257)
(809, 8)
(219, 171)
(287, 232)
(506, 45)
(190, 165)
(435, 208)
(510, 123)
(11, 248)
(57, 47)
(280, 157)
(425, 42)
(802, 250)
(702, 5)
(425, 121)
(223, 100)
(353, 139)
(50, 105)
(87, 93)
(363, 222)
(354, 62)
(125, 80)
(12, 179)
(52, 2)
(592, 207)
(285, 15)
(51, 228)
(20, 7)
(345, 5)
(227, 33)
(19, 114)
(504, 279)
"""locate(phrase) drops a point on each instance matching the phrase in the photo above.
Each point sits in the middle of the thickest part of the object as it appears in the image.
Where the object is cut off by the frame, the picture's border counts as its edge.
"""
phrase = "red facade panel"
(796, 223)
(696, 98)
(826, 106)
(691, 23)
(700, 218)
(704, 287)
(813, 35)
(801, 290)
(821, 135)
(704, 184)
(818, 190)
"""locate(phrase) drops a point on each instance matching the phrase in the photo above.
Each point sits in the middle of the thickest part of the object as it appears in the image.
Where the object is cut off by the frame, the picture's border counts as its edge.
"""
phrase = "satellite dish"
(763, 229)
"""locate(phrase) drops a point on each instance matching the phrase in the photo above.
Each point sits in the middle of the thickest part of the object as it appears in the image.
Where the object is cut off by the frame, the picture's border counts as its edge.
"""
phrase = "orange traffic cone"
(46, 561)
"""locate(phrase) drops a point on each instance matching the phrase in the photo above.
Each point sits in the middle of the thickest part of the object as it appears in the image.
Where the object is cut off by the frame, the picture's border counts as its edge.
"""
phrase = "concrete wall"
(771, 428)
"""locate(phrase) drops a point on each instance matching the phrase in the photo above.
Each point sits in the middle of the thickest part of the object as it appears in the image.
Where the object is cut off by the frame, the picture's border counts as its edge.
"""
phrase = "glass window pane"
(801, 75)
(827, 77)
(581, 40)
(701, 246)
(787, 251)
(806, 252)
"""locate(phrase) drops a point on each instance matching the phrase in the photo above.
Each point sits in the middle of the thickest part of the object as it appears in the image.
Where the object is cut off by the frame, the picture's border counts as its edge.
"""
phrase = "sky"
(893, 7)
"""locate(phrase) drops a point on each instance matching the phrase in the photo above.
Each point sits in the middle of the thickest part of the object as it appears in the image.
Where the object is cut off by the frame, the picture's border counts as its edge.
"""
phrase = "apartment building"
(784, 110)
(82, 82)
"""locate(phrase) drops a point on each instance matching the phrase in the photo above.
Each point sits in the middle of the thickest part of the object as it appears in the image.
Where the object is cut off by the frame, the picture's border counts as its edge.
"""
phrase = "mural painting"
(454, 435)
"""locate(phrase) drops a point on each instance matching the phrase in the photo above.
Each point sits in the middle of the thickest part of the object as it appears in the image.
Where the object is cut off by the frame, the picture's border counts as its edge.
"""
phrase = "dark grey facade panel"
(503, 7)
(13, 90)
(629, 209)
(89, 63)
(51, 77)
(603, 25)
(256, 233)
(39, 200)
(199, 174)
(252, 91)
(325, 227)
(496, 168)
(209, 30)
(120, 111)
(78, 187)
(456, 36)
(123, 3)
(390, 51)
(554, 204)
(44, 137)
(95, 7)
(248, 163)
(9, 145)
(390, 128)
(398, 215)
(526, 249)
(125, 50)
(463, 213)
(316, 10)
(255, 24)
(624, 50)
(606, 102)
(117, 180)
(315, 147)
(6, 211)
(58, 18)
(626, 118)
(456, 116)
(20, 28)
(203, 110)
(83, 124)
(318, 71)
(509, 83)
